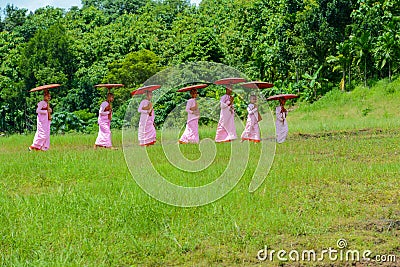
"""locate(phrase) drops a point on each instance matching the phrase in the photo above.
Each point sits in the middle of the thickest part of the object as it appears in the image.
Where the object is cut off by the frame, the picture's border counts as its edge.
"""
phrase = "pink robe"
(41, 141)
(147, 131)
(252, 131)
(191, 133)
(226, 130)
(104, 136)
(281, 125)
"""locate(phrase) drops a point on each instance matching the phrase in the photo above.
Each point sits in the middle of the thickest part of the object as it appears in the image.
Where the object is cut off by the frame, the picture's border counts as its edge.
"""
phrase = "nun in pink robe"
(147, 130)
(41, 141)
(281, 122)
(252, 130)
(191, 133)
(226, 130)
(104, 120)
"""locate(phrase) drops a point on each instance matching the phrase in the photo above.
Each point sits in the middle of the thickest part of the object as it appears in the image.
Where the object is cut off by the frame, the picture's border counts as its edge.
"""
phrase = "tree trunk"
(365, 72)
(344, 78)
(262, 71)
(350, 75)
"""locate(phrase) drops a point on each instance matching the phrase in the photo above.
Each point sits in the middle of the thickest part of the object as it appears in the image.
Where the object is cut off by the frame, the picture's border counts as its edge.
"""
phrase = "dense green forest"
(302, 46)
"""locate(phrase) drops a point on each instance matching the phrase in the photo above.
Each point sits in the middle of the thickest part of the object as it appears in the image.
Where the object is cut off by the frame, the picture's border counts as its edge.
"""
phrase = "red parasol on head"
(257, 85)
(230, 81)
(193, 87)
(282, 96)
(45, 88)
(145, 89)
(109, 85)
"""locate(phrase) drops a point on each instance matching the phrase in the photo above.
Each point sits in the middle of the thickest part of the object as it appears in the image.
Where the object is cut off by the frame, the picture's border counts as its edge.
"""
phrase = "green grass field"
(337, 176)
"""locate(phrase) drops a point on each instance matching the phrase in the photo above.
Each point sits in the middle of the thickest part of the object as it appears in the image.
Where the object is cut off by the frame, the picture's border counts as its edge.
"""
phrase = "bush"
(64, 122)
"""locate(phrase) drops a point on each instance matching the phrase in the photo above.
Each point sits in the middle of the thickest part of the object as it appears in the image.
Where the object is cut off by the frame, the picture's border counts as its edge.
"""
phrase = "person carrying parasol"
(41, 141)
(226, 130)
(191, 133)
(252, 130)
(147, 131)
(282, 128)
(103, 139)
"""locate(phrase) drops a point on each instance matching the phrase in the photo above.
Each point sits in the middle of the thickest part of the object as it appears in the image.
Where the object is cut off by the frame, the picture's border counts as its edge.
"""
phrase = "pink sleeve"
(102, 107)
(191, 103)
(41, 104)
(225, 101)
(279, 114)
(143, 104)
(251, 109)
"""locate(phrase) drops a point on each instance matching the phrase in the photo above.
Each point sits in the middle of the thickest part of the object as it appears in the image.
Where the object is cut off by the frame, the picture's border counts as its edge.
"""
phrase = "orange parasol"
(189, 88)
(282, 96)
(45, 87)
(230, 81)
(144, 89)
(257, 85)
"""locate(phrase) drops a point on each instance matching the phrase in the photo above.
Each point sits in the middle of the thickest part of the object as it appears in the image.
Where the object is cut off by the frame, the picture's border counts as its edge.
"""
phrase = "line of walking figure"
(226, 130)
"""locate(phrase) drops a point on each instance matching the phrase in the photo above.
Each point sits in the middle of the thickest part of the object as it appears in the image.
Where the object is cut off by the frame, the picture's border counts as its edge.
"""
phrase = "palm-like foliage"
(386, 48)
(361, 49)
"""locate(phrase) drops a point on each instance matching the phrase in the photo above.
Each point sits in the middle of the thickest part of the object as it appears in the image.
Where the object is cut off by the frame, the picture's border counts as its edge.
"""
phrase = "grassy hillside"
(363, 108)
